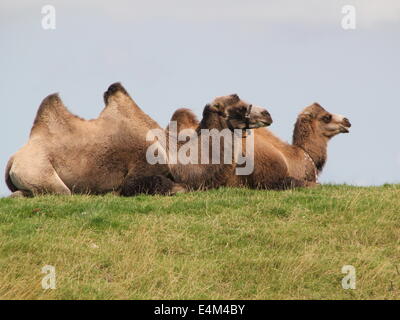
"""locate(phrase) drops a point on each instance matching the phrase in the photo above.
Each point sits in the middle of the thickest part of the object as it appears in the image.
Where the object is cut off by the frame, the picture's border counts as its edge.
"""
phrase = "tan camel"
(279, 165)
(223, 115)
(66, 154)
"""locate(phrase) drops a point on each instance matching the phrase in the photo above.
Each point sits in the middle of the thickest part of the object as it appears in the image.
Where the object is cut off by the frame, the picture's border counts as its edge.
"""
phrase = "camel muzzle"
(345, 126)
(267, 118)
(260, 117)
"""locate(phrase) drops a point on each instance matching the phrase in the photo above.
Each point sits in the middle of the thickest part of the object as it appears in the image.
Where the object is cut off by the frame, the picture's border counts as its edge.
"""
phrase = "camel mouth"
(266, 123)
(344, 129)
(263, 123)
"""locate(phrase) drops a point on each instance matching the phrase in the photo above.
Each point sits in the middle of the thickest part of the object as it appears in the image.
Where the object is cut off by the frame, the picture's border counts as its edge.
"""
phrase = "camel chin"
(261, 125)
(344, 129)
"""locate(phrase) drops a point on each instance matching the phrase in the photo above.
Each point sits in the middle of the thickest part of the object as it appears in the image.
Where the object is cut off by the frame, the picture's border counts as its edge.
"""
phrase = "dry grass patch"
(220, 244)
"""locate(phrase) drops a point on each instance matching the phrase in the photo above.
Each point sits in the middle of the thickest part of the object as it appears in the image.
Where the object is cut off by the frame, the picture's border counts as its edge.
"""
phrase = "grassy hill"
(221, 244)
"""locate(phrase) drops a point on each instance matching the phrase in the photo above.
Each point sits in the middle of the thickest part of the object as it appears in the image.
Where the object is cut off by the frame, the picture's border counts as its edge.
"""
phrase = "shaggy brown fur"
(66, 154)
(279, 165)
(150, 185)
(224, 113)
(185, 119)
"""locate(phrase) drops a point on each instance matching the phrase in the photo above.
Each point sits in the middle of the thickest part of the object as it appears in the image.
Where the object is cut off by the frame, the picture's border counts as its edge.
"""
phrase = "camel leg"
(150, 185)
(21, 194)
(286, 183)
(56, 186)
(292, 183)
(36, 178)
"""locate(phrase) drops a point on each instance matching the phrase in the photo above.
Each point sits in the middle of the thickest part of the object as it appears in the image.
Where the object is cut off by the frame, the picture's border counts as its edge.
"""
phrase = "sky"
(282, 55)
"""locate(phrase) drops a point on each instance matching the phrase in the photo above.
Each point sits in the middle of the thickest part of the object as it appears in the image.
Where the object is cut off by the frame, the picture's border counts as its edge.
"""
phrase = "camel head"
(324, 123)
(239, 114)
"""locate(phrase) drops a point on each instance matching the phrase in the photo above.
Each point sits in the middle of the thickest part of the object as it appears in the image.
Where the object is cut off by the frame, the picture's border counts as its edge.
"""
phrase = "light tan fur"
(66, 154)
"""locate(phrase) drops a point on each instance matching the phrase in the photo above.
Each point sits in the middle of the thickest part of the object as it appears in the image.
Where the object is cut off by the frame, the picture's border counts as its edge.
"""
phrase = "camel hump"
(49, 104)
(52, 113)
(184, 114)
(185, 119)
(120, 105)
(113, 90)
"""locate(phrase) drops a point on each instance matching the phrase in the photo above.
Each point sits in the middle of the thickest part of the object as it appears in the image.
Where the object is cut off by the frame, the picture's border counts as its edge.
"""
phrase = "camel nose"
(267, 116)
(346, 122)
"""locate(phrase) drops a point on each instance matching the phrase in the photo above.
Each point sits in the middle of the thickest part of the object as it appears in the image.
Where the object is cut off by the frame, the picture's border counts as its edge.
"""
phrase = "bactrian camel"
(66, 154)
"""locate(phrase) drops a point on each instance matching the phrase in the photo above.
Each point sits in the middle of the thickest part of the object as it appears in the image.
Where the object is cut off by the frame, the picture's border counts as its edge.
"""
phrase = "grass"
(220, 244)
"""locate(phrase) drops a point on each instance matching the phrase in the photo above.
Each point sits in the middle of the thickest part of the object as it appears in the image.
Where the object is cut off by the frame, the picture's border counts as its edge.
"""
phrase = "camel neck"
(316, 149)
(214, 174)
(306, 138)
(212, 120)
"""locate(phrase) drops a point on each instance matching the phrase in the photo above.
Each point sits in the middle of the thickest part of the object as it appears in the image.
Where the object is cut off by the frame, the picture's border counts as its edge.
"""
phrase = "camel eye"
(327, 118)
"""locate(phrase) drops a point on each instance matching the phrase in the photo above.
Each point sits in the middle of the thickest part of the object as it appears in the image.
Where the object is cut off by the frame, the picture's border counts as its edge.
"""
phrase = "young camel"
(66, 154)
(222, 116)
(279, 165)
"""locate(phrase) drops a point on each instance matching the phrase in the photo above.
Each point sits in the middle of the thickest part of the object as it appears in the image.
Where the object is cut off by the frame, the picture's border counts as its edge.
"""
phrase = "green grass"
(220, 244)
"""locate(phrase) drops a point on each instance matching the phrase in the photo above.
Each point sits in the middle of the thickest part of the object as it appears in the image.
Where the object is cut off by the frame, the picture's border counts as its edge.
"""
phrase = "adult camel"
(66, 154)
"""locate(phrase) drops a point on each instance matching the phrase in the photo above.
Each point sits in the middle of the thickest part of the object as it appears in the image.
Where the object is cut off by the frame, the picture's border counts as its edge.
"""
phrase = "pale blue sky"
(282, 55)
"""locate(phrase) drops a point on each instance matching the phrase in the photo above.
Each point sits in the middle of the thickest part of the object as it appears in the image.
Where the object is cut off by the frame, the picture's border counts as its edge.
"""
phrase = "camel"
(224, 115)
(66, 154)
(279, 165)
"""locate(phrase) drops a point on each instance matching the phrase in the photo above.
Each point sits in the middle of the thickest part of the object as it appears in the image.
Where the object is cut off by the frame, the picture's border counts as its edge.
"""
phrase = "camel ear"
(216, 108)
(207, 109)
(235, 98)
(213, 108)
(306, 116)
